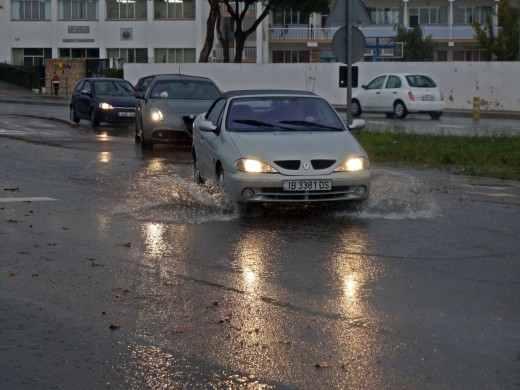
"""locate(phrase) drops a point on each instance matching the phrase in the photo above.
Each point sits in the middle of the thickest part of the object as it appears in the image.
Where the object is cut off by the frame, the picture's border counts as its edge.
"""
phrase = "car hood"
(118, 101)
(180, 106)
(304, 146)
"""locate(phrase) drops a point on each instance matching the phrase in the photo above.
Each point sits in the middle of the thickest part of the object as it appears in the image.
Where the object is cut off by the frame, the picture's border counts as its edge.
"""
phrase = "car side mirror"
(139, 95)
(85, 92)
(207, 126)
(364, 86)
(357, 124)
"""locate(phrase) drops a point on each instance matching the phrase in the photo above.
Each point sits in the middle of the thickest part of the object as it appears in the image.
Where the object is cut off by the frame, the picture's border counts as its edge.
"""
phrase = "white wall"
(496, 83)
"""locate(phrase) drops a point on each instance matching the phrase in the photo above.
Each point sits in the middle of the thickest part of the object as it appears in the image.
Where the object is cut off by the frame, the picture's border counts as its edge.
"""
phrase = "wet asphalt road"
(128, 275)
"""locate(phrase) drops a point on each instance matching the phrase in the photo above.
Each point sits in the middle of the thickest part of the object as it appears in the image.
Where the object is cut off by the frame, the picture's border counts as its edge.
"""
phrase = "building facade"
(154, 31)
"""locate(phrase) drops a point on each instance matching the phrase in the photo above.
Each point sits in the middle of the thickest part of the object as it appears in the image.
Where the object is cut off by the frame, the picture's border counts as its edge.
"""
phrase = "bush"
(114, 72)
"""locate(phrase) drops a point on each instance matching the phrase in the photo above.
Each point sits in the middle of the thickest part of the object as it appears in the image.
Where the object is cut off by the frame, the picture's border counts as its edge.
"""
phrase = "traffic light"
(343, 77)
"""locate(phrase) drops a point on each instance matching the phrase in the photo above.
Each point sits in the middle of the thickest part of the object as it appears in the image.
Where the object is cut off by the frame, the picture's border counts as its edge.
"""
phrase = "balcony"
(248, 55)
(456, 32)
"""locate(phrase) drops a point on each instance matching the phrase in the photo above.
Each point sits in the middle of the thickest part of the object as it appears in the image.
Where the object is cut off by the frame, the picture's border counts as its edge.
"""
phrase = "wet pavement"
(118, 272)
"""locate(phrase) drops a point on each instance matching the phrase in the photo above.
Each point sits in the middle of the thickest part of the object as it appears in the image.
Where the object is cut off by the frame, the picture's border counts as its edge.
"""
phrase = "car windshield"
(182, 89)
(108, 87)
(420, 81)
(287, 113)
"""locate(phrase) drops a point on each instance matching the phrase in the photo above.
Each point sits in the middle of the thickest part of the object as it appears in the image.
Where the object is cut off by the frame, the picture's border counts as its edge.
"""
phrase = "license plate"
(428, 98)
(131, 114)
(307, 185)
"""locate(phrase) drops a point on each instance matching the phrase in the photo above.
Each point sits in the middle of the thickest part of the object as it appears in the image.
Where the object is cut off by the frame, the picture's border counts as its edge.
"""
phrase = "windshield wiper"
(310, 124)
(261, 124)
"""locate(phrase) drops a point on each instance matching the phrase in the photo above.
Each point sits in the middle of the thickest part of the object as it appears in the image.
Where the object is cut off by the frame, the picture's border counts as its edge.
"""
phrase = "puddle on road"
(175, 198)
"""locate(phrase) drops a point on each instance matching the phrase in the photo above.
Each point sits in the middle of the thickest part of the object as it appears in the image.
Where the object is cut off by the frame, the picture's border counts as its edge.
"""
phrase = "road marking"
(33, 199)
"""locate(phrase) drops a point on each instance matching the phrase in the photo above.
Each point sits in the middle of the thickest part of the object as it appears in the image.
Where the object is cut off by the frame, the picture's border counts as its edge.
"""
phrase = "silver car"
(166, 109)
(279, 146)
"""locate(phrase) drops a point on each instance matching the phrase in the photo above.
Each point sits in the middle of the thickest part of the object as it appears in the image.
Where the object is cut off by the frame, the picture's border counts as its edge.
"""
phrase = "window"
(467, 15)
(215, 112)
(424, 15)
(126, 9)
(291, 56)
(384, 15)
(175, 55)
(377, 83)
(79, 53)
(393, 82)
(31, 56)
(129, 56)
(174, 9)
(470, 55)
(31, 10)
(287, 17)
(77, 9)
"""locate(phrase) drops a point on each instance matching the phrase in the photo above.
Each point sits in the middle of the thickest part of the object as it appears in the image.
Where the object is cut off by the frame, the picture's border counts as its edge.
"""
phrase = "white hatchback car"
(399, 94)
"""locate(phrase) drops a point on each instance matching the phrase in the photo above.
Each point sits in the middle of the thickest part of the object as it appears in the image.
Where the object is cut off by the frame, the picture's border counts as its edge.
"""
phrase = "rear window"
(182, 89)
(420, 81)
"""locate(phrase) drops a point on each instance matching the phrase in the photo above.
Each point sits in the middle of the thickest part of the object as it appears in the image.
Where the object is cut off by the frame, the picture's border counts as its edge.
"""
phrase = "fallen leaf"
(214, 304)
(127, 244)
(35, 274)
(65, 228)
(115, 326)
(322, 365)
(11, 274)
(119, 296)
(23, 253)
(104, 312)
(12, 189)
(11, 220)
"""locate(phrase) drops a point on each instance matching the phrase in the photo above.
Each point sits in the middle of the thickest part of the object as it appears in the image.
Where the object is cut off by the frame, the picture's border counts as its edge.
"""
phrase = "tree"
(415, 48)
(504, 45)
(238, 10)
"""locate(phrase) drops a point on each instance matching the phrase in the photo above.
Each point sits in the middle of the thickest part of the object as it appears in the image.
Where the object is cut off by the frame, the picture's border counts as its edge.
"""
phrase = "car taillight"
(410, 96)
(442, 97)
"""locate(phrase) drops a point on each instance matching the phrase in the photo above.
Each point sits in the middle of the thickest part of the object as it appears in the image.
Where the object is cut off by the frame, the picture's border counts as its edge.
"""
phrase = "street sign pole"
(349, 61)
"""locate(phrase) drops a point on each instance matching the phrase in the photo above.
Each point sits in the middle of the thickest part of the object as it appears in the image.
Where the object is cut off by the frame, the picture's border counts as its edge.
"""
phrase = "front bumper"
(179, 130)
(116, 115)
(269, 187)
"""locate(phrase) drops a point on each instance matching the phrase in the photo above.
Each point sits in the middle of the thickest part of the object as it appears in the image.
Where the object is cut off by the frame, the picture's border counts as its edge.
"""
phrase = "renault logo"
(306, 165)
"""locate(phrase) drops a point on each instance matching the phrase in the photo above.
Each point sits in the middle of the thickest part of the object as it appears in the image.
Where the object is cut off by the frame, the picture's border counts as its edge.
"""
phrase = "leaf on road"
(35, 274)
(11, 220)
(11, 274)
(127, 244)
(214, 304)
(322, 365)
(114, 327)
(17, 189)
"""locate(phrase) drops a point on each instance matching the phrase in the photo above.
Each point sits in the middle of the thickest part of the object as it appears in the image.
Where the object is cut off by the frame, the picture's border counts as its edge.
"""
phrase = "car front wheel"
(196, 170)
(137, 135)
(400, 110)
(93, 120)
(356, 108)
(74, 115)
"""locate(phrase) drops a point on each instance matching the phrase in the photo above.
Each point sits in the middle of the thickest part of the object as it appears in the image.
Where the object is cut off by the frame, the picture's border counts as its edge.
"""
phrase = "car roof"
(175, 76)
(268, 92)
(104, 79)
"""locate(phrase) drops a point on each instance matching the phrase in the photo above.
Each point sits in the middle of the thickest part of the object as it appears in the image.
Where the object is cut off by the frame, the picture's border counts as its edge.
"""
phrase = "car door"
(371, 97)
(207, 142)
(390, 93)
(84, 98)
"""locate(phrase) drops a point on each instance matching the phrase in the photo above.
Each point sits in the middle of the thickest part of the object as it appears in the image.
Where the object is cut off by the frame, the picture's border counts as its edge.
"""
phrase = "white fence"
(496, 83)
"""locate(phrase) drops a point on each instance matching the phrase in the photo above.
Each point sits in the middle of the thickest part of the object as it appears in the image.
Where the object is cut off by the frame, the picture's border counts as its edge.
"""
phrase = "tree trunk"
(223, 42)
(210, 30)
(240, 40)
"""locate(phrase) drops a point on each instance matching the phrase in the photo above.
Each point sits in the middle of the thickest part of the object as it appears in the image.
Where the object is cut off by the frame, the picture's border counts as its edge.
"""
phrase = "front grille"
(292, 165)
(322, 164)
(278, 194)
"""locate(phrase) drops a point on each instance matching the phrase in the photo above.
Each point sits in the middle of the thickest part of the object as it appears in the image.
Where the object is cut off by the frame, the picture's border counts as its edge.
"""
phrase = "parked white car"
(396, 95)
(280, 146)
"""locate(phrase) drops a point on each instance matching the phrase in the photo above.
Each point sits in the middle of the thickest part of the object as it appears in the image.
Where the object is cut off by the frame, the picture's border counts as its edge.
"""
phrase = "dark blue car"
(103, 100)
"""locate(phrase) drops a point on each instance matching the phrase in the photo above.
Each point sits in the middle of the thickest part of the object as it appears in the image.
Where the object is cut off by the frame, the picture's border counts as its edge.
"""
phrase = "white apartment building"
(153, 31)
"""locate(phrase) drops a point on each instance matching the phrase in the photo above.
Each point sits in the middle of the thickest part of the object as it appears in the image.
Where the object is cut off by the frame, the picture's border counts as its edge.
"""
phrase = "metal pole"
(349, 62)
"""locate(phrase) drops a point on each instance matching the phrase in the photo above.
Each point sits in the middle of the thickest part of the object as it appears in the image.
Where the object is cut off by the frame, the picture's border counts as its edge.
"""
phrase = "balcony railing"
(457, 32)
(248, 55)
(251, 10)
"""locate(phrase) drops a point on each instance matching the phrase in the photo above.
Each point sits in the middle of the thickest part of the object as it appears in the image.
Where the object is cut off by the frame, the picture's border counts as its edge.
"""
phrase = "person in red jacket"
(56, 83)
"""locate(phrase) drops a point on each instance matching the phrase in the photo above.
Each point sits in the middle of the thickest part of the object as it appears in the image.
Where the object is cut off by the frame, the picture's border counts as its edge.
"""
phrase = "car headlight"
(249, 165)
(105, 106)
(157, 115)
(353, 164)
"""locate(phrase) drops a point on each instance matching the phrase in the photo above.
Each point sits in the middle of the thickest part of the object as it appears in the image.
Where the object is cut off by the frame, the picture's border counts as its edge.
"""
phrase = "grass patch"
(490, 156)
